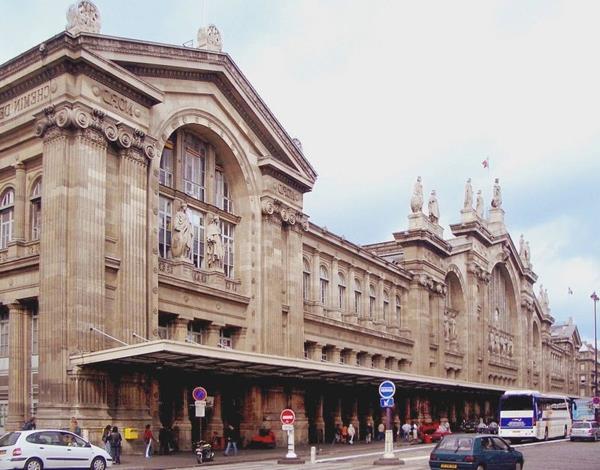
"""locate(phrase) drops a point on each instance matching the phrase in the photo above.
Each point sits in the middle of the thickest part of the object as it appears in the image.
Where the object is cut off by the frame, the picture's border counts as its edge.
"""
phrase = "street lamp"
(595, 298)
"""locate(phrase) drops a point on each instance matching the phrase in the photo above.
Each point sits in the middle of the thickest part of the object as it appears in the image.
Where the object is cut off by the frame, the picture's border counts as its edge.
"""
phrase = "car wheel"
(98, 464)
(519, 466)
(546, 434)
(34, 464)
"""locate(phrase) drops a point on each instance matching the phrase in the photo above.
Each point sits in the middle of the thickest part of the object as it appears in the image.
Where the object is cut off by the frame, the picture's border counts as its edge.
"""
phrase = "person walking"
(380, 431)
(406, 427)
(148, 438)
(231, 436)
(415, 432)
(115, 445)
(369, 436)
(351, 433)
(29, 425)
(74, 426)
(106, 438)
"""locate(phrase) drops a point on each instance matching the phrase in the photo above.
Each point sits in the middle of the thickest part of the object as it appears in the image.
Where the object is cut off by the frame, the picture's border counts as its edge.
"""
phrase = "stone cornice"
(272, 207)
(479, 272)
(132, 143)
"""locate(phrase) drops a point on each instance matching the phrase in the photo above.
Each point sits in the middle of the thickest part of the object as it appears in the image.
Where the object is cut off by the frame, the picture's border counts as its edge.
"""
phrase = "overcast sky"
(382, 91)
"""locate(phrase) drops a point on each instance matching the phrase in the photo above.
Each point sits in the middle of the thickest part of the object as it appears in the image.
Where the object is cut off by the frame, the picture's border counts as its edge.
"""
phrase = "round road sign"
(199, 394)
(287, 416)
(387, 389)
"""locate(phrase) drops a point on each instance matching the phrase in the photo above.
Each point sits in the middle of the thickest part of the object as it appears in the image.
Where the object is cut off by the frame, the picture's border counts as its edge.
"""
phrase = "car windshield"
(9, 439)
(454, 443)
(581, 425)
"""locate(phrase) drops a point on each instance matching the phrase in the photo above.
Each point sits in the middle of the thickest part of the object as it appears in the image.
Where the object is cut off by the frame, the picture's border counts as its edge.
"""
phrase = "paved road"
(552, 455)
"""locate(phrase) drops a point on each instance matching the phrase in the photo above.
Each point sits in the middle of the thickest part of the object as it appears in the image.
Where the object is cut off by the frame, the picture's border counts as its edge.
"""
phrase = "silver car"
(585, 430)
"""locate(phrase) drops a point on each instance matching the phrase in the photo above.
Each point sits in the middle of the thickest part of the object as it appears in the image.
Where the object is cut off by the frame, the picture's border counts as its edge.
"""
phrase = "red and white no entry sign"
(287, 416)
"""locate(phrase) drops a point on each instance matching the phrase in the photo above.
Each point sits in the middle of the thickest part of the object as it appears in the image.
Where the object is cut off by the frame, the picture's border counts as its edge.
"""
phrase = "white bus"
(528, 414)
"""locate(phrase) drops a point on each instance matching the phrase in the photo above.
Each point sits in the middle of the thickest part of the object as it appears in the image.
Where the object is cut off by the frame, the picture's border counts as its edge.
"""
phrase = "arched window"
(306, 280)
(222, 192)
(7, 207)
(386, 306)
(164, 227)
(398, 312)
(227, 231)
(324, 284)
(197, 252)
(36, 210)
(166, 164)
(372, 301)
(341, 291)
(194, 166)
(357, 296)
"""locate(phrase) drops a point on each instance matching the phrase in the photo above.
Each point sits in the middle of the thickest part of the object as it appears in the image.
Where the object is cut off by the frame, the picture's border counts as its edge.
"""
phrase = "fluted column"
(20, 197)
(133, 179)
(19, 378)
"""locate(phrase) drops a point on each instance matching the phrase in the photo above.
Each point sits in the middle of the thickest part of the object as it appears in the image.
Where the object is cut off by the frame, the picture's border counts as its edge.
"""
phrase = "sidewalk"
(188, 459)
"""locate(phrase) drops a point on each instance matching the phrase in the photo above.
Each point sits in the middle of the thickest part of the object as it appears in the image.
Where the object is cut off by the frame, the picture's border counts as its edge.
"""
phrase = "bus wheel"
(565, 434)
(546, 434)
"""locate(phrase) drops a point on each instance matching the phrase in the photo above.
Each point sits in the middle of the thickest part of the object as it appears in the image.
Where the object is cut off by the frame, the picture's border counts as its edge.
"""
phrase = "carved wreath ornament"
(83, 17)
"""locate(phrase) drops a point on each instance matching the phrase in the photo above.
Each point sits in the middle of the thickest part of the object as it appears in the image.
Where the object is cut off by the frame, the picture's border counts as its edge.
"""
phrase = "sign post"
(387, 390)
(199, 394)
(288, 418)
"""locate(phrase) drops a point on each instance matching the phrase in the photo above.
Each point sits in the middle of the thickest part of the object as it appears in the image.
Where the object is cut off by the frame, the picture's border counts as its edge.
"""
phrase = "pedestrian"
(351, 433)
(406, 427)
(115, 445)
(163, 441)
(369, 436)
(106, 438)
(29, 425)
(338, 433)
(74, 426)
(231, 436)
(415, 432)
(148, 438)
(344, 433)
(380, 432)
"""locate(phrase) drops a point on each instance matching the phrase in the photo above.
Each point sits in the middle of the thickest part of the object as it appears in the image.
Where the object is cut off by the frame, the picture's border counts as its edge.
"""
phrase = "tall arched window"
(222, 192)
(166, 165)
(36, 210)
(341, 291)
(164, 227)
(398, 311)
(306, 280)
(194, 166)
(324, 284)
(227, 231)
(197, 221)
(372, 300)
(7, 207)
(386, 306)
(357, 296)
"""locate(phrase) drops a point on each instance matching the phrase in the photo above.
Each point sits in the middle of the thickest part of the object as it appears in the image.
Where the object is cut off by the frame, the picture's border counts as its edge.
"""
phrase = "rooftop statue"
(434, 210)
(479, 206)
(416, 201)
(468, 205)
(497, 197)
(209, 38)
(83, 17)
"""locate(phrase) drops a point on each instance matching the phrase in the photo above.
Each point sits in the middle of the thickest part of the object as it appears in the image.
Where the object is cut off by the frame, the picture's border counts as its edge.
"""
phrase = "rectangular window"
(222, 192)
(197, 221)
(357, 301)
(341, 296)
(36, 218)
(386, 307)
(3, 414)
(305, 285)
(166, 165)
(194, 161)
(324, 357)
(34, 334)
(225, 340)
(194, 333)
(227, 230)
(371, 307)
(164, 227)
(6, 223)
(4, 335)
(324, 290)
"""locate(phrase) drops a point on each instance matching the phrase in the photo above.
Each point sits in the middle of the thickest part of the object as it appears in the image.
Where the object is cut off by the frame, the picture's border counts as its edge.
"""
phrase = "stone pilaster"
(418, 323)
(133, 178)
(215, 420)
(349, 315)
(182, 425)
(19, 378)
(295, 315)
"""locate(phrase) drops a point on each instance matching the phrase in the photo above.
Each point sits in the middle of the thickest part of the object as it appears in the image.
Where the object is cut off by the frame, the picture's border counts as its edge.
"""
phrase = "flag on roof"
(570, 291)
(486, 163)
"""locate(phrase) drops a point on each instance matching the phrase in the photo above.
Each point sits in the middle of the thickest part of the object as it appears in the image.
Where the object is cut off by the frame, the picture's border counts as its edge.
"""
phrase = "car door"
(489, 455)
(506, 459)
(77, 455)
(53, 448)
(39, 445)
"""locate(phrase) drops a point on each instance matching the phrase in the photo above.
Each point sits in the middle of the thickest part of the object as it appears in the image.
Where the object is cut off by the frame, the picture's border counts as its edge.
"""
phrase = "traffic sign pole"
(287, 418)
(387, 390)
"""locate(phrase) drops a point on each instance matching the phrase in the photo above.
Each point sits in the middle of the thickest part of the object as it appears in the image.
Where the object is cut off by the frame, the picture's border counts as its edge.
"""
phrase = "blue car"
(476, 452)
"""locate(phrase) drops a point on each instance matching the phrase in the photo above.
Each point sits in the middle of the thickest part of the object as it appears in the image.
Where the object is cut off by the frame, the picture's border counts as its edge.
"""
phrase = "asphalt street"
(552, 455)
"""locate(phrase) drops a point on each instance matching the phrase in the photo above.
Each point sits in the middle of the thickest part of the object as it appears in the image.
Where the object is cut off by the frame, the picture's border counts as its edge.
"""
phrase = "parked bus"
(528, 414)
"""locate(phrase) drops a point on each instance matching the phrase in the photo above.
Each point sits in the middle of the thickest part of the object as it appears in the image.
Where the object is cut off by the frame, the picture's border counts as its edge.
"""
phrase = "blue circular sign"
(387, 389)
(199, 394)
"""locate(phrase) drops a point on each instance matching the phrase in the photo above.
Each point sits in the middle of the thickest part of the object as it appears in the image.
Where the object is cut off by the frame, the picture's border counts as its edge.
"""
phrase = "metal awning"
(197, 357)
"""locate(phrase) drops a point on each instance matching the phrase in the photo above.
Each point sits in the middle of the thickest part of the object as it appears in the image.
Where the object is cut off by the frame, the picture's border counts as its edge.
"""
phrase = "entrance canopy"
(196, 357)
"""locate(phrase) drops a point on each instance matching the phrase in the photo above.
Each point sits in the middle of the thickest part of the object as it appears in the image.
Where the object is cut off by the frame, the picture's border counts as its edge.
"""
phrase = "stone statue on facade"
(468, 204)
(434, 210)
(182, 241)
(214, 244)
(497, 197)
(452, 321)
(522, 246)
(527, 253)
(416, 201)
(479, 204)
(446, 327)
(83, 17)
(209, 38)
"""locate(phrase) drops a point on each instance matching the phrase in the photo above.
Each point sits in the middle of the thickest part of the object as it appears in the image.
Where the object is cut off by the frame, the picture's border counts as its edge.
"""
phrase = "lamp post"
(595, 298)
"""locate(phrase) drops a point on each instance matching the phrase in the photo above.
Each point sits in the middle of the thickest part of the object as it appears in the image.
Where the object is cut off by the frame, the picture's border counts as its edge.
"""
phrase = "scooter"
(204, 452)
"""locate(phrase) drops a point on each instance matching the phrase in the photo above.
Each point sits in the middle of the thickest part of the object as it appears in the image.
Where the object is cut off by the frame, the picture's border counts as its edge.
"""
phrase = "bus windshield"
(516, 402)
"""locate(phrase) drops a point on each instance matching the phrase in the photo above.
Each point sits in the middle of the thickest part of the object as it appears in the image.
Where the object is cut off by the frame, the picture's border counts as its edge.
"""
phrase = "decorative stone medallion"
(83, 17)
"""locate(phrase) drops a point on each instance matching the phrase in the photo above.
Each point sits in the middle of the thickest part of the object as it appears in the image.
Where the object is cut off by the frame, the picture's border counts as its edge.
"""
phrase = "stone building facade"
(153, 239)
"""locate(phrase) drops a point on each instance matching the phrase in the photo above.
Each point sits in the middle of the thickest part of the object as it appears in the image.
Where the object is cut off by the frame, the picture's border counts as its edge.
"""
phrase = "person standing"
(106, 438)
(351, 433)
(369, 437)
(406, 427)
(29, 425)
(115, 445)
(74, 426)
(380, 431)
(148, 438)
(231, 436)
(415, 432)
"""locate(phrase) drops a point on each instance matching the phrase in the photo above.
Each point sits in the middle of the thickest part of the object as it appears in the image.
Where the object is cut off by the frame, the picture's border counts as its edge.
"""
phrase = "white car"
(50, 448)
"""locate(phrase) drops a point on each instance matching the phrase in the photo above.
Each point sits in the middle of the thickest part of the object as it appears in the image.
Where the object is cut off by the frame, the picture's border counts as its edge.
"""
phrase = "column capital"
(55, 121)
